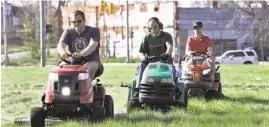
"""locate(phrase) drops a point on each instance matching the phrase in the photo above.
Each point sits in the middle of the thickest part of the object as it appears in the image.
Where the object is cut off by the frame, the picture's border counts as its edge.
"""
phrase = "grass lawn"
(13, 48)
(53, 59)
(246, 87)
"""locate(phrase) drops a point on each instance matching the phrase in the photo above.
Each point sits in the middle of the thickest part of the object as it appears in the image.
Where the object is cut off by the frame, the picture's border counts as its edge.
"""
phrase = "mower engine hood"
(158, 70)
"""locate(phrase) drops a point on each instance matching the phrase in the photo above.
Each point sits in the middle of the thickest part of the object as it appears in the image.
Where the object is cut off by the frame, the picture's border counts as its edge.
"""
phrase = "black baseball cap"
(198, 24)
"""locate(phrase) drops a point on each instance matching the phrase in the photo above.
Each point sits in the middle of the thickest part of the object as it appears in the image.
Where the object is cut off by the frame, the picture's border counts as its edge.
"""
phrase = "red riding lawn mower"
(197, 75)
(69, 95)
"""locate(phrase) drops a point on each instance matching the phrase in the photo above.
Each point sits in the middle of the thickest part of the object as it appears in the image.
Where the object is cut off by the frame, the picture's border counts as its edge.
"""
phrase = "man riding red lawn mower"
(68, 95)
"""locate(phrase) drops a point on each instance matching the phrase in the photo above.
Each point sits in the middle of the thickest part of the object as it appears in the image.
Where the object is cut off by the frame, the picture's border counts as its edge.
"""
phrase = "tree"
(256, 13)
(59, 20)
(79, 3)
(50, 20)
(31, 29)
(200, 4)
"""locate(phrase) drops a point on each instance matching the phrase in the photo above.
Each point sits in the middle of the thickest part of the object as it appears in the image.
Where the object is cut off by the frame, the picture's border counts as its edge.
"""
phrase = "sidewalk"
(21, 54)
(263, 63)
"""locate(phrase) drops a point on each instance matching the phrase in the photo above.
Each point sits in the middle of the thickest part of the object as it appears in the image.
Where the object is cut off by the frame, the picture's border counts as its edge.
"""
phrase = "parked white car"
(238, 57)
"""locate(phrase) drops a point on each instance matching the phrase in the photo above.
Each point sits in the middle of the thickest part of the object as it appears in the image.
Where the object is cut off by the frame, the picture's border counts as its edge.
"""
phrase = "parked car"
(238, 57)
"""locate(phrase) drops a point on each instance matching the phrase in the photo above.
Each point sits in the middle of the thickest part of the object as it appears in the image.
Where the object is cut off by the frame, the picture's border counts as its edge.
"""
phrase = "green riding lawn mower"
(158, 89)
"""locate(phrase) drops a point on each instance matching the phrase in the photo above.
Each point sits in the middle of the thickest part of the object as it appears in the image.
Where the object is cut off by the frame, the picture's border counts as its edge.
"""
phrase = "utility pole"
(105, 35)
(6, 62)
(97, 16)
(127, 32)
(177, 45)
(48, 5)
(42, 34)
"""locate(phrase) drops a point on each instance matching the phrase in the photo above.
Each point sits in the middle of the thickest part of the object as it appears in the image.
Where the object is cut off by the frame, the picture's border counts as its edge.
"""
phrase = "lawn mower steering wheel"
(156, 58)
(74, 61)
(203, 54)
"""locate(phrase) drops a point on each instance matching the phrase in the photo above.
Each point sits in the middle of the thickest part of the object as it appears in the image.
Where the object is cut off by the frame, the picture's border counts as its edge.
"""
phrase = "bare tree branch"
(265, 4)
(200, 4)
(248, 12)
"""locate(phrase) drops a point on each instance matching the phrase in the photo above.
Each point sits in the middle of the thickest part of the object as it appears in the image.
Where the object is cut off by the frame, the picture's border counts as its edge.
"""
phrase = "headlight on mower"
(53, 76)
(206, 71)
(166, 80)
(83, 76)
(66, 91)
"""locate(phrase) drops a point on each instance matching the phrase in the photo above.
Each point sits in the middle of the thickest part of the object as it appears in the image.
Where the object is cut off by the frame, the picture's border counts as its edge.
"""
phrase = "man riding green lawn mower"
(157, 85)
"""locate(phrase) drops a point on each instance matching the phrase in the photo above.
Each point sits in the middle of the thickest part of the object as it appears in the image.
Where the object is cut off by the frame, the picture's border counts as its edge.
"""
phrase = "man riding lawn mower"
(158, 88)
(155, 85)
(199, 73)
(70, 93)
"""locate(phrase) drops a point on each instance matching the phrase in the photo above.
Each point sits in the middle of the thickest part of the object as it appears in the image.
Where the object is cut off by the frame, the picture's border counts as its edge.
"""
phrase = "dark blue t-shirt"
(77, 42)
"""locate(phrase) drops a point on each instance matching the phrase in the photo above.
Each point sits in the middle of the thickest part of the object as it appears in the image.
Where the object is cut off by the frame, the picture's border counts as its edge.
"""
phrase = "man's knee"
(141, 67)
(92, 67)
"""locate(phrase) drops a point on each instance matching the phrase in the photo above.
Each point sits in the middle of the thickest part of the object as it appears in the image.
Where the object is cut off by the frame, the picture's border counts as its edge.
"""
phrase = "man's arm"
(90, 48)
(143, 50)
(209, 48)
(61, 47)
(188, 51)
(169, 44)
(92, 45)
(62, 44)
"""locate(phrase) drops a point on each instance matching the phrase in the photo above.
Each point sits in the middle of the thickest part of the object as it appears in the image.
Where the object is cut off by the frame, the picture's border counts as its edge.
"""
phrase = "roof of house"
(212, 18)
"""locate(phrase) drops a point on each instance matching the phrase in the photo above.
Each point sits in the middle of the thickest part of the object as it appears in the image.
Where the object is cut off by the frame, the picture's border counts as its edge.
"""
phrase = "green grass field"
(246, 87)
(14, 48)
(53, 59)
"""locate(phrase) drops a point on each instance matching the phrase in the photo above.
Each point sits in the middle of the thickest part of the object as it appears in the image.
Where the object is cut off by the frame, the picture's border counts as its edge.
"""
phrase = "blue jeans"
(140, 70)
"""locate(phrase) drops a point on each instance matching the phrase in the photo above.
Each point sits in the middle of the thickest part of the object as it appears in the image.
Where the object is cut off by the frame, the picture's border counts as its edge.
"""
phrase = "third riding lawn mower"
(197, 75)
(158, 88)
(68, 95)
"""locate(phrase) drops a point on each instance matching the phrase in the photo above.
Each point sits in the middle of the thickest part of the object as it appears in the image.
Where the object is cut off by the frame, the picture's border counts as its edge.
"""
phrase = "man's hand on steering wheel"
(76, 55)
(164, 56)
(209, 54)
(63, 56)
(205, 55)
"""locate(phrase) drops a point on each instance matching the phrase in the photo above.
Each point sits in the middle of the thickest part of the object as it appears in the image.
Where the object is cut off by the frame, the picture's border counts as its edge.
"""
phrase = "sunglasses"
(153, 27)
(196, 27)
(79, 21)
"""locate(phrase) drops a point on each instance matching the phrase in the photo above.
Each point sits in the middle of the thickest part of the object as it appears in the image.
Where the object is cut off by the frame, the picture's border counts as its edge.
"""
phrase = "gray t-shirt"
(77, 42)
(155, 46)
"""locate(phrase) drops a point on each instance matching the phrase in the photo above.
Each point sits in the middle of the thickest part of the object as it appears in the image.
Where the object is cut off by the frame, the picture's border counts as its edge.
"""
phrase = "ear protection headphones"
(160, 25)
